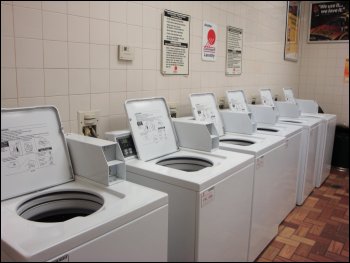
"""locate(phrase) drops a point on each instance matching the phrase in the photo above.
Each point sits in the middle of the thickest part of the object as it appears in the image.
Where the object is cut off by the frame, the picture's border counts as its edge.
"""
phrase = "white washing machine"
(329, 122)
(210, 193)
(312, 136)
(270, 158)
(47, 214)
(292, 135)
(309, 108)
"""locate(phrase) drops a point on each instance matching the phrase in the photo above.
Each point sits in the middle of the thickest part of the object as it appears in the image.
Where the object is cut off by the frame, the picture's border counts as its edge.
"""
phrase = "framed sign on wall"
(175, 43)
(234, 46)
(329, 22)
(291, 46)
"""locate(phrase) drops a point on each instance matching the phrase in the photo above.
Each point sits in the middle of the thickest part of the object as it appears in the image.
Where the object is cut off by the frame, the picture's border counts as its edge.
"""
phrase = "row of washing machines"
(209, 187)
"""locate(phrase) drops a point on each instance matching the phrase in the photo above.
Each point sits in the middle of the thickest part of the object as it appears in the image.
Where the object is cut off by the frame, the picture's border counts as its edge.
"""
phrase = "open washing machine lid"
(266, 97)
(204, 109)
(237, 101)
(288, 95)
(34, 153)
(151, 128)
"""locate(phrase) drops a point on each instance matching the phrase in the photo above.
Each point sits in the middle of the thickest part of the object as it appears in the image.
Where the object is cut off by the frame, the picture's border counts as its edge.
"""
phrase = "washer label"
(207, 196)
(25, 149)
(151, 127)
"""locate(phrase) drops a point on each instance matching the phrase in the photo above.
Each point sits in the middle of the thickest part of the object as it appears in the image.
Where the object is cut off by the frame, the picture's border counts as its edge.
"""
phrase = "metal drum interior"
(60, 206)
(187, 164)
(267, 129)
(238, 142)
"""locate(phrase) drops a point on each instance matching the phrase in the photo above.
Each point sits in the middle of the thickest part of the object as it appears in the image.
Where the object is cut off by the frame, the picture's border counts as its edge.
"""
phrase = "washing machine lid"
(288, 95)
(324, 116)
(34, 153)
(237, 101)
(266, 97)
(204, 109)
(151, 127)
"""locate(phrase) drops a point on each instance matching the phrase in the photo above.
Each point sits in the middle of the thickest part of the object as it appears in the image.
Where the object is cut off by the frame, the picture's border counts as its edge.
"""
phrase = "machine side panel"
(224, 212)
(327, 163)
(291, 169)
(266, 212)
(134, 241)
(182, 217)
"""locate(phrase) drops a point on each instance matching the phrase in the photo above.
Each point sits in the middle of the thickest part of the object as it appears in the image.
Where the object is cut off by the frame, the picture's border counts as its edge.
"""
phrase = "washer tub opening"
(293, 121)
(238, 142)
(60, 206)
(267, 129)
(187, 164)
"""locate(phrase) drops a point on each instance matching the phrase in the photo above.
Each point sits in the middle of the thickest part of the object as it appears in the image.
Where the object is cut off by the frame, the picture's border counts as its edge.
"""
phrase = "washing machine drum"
(293, 121)
(187, 164)
(240, 142)
(267, 129)
(60, 206)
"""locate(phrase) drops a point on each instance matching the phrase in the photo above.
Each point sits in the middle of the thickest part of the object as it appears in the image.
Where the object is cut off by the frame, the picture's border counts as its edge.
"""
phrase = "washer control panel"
(127, 146)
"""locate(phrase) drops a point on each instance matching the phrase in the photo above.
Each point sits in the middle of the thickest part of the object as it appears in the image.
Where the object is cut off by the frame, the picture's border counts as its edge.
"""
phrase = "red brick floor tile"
(303, 250)
(318, 230)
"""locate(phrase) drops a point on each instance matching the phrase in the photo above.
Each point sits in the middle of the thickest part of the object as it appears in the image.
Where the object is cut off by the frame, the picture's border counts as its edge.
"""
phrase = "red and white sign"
(209, 41)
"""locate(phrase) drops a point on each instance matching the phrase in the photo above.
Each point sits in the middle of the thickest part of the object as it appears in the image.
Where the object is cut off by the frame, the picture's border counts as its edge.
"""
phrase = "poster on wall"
(209, 41)
(291, 46)
(346, 70)
(329, 22)
(234, 43)
(175, 43)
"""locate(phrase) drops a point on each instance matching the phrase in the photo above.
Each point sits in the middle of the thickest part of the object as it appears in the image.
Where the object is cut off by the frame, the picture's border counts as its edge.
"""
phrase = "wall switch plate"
(126, 52)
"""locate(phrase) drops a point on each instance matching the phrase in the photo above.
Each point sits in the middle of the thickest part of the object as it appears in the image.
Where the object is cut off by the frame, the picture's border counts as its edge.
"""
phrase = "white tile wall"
(99, 80)
(27, 22)
(321, 73)
(78, 55)
(56, 82)
(79, 8)
(79, 81)
(55, 54)
(30, 82)
(65, 53)
(78, 29)
(29, 53)
(8, 83)
(55, 6)
(54, 26)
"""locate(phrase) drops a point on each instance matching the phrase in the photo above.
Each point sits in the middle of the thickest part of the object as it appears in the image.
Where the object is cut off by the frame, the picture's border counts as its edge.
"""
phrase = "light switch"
(126, 52)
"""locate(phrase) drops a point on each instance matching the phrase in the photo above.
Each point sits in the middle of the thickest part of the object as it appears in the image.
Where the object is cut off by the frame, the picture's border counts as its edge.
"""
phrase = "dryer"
(312, 138)
(48, 214)
(309, 109)
(210, 193)
(266, 124)
(270, 157)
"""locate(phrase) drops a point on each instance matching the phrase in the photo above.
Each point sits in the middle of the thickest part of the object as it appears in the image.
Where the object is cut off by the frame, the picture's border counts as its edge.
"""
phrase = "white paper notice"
(234, 42)
(25, 149)
(209, 41)
(175, 43)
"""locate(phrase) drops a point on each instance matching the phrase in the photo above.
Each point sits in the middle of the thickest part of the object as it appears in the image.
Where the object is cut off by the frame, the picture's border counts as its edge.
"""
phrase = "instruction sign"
(25, 149)
(234, 43)
(209, 41)
(175, 43)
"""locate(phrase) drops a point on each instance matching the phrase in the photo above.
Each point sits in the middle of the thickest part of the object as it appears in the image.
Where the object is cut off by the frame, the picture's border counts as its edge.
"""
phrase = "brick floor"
(317, 231)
